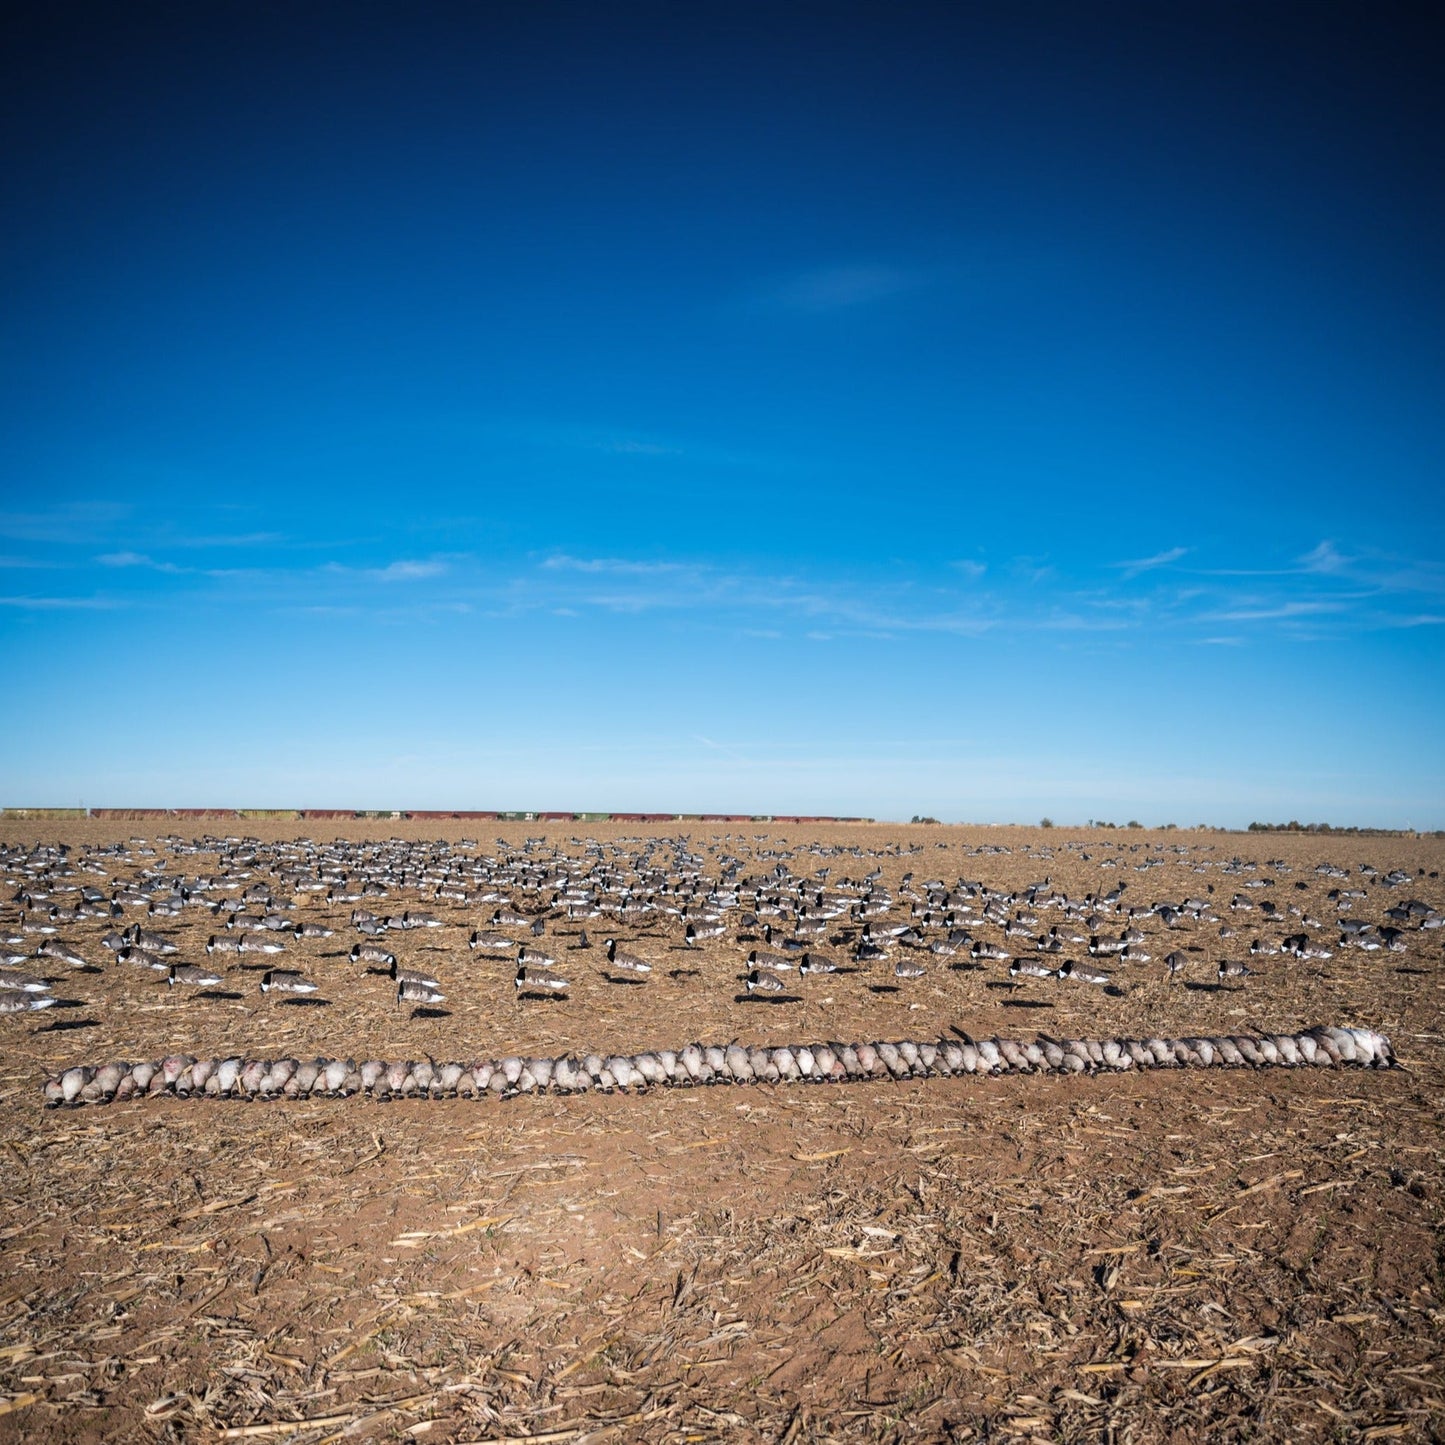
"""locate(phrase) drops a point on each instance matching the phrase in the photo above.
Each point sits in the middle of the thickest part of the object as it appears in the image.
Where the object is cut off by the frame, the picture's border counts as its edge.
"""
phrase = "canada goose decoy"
(195, 976)
(222, 943)
(1176, 962)
(816, 963)
(774, 939)
(259, 943)
(868, 952)
(694, 932)
(490, 941)
(54, 948)
(314, 930)
(19, 1000)
(582, 940)
(760, 980)
(156, 942)
(1228, 969)
(906, 968)
(284, 980)
(629, 962)
(417, 993)
(536, 957)
(510, 918)
(532, 978)
(983, 949)
(372, 953)
(23, 982)
(412, 975)
(762, 958)
(1027, 968)
(134, 953)
(1084, 974)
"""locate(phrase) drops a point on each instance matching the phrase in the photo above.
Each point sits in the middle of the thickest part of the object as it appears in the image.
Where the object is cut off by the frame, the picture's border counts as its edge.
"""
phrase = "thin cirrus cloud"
(1129, 570)
(842, 288)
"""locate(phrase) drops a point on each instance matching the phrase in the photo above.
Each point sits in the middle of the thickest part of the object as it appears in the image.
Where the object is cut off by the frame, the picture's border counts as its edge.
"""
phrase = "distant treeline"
(299, 814)
(1294, 826)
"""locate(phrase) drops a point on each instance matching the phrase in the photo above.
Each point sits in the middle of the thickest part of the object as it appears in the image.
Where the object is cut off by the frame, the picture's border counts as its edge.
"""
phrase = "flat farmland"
(1172, 1255)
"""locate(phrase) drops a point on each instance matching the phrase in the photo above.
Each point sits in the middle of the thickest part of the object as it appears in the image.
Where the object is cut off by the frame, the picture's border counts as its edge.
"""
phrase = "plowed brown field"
(1172, 1256)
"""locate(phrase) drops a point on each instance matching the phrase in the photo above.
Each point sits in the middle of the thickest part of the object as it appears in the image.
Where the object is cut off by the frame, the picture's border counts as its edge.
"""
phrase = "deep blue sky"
(977, 411)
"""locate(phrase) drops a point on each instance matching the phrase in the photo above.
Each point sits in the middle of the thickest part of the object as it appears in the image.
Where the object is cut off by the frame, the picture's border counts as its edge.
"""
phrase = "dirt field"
(1172, 1256)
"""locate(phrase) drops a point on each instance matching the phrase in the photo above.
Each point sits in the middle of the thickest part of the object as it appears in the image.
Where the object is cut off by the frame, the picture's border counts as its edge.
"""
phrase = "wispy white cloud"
(840, 288)
(970, 569)
(60, 604)
(1278, 612)
(1129, 570)
(613, 566)
(1326, 559)
(138, 559)
(406, 571)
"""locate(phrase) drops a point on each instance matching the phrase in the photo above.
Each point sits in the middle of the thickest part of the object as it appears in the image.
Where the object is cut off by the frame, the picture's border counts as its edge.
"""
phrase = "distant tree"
(1046, 822)
(1133, 823)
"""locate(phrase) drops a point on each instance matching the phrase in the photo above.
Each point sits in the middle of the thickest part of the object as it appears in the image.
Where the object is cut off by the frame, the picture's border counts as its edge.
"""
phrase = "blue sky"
(986, 412)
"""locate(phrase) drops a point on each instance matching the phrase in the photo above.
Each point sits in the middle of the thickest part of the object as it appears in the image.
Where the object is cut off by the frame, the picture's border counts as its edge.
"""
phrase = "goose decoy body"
(412, 975)
(19, 1000)
(762, 958)
(259, 943)
(536, 957)
(190, 973)
(816, 963)
(134, 953)
(490, 941)
(1229, 969)
(25, 982)
(761, 980)
(693, 933)
(1027, 968)
(285, 980)
(62, 953)
(906, 968)
(372, 953)
(621, 958)
(417, 993)
(1084, 974)
(532, 978)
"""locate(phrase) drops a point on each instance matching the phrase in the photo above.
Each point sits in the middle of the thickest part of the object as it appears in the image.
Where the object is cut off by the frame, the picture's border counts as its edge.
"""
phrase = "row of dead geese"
(698, 1064)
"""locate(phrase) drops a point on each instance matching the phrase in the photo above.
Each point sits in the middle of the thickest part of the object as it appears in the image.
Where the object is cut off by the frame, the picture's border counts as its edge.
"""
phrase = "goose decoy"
(285, 980)
(906, 968)
(760, 980)
(490, 941)
(417, 993)
(694, 932)
(259, 943)
(372, 953)
(412, 975)
(532, 978)
(19, 1000)
(816, 963)
(134, 953)
(983, 949)
(629, 962)
(54, 948)
(762, 958)
(25, 982)
(1084, 974)
(536, 957)
(197, 977)
(1027, 968)
(1228, 969)
(221, 943)
(1176, 962)
(774, 939)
